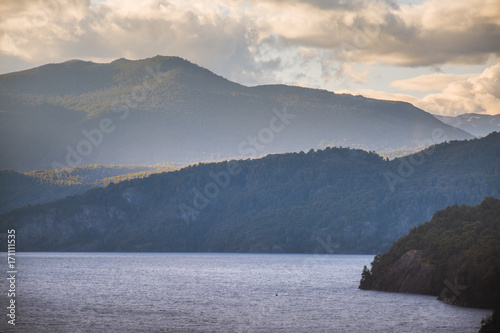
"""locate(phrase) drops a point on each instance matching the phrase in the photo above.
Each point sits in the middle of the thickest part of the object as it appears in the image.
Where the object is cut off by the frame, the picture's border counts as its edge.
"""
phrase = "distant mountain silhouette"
(474, 123)
(166, 109)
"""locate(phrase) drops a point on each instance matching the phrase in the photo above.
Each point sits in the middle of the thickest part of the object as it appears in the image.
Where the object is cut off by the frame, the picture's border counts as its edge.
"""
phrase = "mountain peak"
(179, 111)
(76, 61)
(78, 77)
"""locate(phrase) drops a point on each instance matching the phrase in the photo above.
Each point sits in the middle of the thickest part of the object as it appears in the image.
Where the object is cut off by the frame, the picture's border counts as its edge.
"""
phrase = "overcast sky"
(441, 55)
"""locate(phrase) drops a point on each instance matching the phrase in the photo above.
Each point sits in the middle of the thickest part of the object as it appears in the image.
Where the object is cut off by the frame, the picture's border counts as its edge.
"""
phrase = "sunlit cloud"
(307, 42)
(471, 93)
(430, 82)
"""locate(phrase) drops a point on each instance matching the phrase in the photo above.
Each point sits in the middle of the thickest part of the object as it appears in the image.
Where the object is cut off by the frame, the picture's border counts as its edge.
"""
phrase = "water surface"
(196, 292)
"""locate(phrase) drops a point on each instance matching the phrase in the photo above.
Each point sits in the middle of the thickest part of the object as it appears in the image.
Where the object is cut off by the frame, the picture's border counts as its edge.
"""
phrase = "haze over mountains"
(336, 200)
(133, 114)
(166, 109)
(476, 124)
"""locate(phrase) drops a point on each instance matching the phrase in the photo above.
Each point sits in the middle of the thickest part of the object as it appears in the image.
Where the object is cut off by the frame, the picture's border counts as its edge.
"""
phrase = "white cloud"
(436, 31)
(30, 30)
(474, 93)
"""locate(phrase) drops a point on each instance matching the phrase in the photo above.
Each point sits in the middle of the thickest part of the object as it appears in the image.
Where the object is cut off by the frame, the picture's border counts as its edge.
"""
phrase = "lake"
(207, 292)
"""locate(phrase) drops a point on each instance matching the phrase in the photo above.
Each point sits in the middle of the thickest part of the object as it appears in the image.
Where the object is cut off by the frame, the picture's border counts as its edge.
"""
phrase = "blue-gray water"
(180, 292)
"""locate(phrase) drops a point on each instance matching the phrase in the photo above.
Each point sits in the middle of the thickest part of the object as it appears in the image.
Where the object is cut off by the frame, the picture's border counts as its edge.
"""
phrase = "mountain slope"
(166, 109)
(41, 186)
(476, 124)
(335, 201)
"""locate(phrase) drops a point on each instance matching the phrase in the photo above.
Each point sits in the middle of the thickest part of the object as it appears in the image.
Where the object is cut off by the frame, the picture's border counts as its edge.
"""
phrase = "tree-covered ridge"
(100, 175)
(335, 200)
(40, 186)
(461, 244)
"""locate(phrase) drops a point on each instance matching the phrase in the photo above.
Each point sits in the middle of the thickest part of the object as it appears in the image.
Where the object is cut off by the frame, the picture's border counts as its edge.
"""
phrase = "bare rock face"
(409, 274)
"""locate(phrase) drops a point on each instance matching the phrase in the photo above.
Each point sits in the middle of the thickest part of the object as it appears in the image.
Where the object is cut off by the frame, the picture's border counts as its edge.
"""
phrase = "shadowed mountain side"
(336, 200)
(166, 109)
(41, 186)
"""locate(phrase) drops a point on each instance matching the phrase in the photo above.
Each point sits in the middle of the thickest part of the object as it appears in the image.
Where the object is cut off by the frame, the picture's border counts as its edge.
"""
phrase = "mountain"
(336, 200)
(166, 109)
(454, 256)
(476, 124)
(41, 186)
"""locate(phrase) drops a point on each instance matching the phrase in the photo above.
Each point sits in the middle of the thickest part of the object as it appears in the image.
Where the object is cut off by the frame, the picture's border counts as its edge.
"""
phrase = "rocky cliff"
(455, 256)
(409, 274)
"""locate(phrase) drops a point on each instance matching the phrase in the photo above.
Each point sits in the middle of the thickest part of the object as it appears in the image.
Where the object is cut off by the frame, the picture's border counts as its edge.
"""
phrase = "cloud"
(432, 33)
(206, 33)
(430, 82)
(313, 42)
(471, 93)
(30, 30)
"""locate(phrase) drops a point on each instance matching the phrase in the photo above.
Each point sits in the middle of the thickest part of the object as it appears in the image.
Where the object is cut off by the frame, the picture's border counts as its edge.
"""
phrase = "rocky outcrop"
(454, 257)
(410, 274)
(413, 274)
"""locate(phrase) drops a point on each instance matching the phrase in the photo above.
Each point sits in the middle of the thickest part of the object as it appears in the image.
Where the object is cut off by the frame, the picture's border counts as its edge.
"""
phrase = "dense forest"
(458, 258)
(335, 200)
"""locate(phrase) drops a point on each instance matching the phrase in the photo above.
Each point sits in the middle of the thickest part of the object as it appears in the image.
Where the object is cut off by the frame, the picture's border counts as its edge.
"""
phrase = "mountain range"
(166, 109)
(335, 200)
(476, 124)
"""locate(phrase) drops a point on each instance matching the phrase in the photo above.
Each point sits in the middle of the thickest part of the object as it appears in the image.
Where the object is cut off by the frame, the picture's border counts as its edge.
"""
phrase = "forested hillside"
(41, 186)
(455, 256)
(336, 200)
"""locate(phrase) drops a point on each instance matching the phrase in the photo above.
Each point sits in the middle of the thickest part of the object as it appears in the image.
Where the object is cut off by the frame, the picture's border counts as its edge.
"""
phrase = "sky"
(440, 55)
